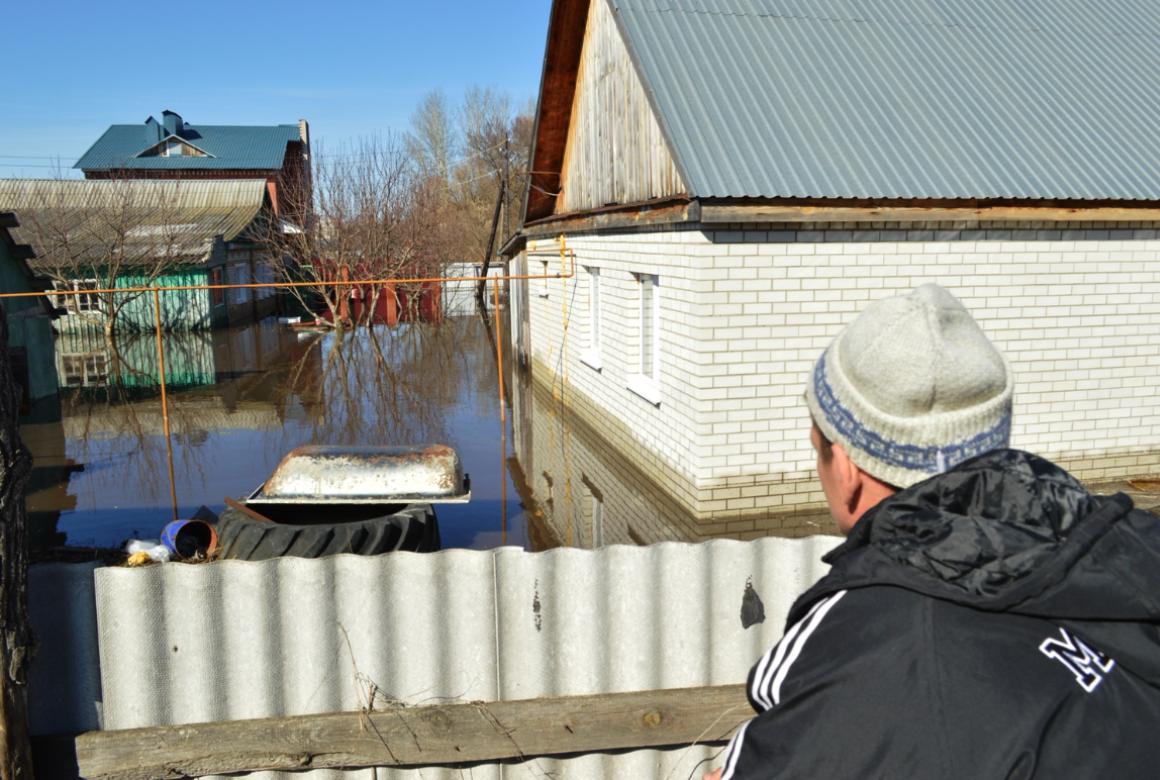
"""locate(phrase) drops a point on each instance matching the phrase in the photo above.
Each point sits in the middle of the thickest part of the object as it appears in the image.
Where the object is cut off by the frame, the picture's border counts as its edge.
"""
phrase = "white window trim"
(592, 360)
(72, 303)
(591, 356)
(597, 522)
(642, 385)
(91, 369)
(645, 387)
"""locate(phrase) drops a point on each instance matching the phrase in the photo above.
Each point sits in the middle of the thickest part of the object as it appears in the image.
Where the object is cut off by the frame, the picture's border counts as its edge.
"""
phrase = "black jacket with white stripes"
(995, 621)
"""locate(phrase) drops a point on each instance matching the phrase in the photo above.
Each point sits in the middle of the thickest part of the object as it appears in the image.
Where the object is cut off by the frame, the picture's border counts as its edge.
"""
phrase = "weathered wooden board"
(649, 214)
(616, 151)
(437, 735)
(557, 86)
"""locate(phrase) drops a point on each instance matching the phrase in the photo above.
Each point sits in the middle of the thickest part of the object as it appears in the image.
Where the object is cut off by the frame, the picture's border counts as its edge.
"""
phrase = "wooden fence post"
(15, 468)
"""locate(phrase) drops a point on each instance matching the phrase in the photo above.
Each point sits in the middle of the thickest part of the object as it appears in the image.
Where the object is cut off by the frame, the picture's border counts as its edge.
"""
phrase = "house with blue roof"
(174, 148)
(733, 181)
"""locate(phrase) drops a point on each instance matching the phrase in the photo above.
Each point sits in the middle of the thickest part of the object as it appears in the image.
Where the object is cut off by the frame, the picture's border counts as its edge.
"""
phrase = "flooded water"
(239, 400)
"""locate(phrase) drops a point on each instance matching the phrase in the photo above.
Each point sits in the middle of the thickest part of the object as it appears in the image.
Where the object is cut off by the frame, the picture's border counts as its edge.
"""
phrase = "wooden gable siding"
(616, 152)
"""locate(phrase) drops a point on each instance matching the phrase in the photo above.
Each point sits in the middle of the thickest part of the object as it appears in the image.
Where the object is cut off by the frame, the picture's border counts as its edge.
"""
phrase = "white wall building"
(732, 188)
(459, 296)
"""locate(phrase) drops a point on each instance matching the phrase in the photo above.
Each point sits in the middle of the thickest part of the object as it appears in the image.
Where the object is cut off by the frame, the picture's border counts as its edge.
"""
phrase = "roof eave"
(826, 210)
(651, 213)
(565, 41)
(93, 145)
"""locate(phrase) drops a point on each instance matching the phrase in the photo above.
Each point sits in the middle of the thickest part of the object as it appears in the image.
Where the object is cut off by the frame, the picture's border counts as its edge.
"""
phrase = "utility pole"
(500, 197)
(506, 186)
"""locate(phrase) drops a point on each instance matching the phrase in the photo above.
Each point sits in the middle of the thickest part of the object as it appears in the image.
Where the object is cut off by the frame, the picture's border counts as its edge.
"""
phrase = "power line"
(361, 155)
(35, 156)
(34, 165)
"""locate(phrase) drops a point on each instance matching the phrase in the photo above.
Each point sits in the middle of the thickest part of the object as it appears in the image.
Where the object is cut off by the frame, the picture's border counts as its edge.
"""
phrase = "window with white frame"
(597, 520)
(84, 370)
(238, 273)
(645, 382)
(591, 355)
(595, 512)
(80, 302)
(649, 325)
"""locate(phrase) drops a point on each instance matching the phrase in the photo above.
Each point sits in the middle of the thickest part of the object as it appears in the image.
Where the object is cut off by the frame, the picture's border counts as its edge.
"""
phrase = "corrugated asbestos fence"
(237, 640)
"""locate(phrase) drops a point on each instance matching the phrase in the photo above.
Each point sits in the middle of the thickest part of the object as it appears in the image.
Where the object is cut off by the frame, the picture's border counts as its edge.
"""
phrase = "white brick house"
(719, 240)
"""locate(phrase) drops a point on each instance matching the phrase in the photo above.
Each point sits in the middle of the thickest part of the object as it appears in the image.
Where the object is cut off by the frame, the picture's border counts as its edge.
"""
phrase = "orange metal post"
(502, 420)
(344, 297)
(503, 478)
(499, 355)
(164, 398)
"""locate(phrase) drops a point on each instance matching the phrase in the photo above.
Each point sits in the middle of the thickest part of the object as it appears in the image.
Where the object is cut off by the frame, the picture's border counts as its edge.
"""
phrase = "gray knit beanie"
(912, 387)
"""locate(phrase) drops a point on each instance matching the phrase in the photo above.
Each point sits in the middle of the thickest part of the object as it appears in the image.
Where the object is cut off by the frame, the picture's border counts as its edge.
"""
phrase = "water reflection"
(239, 400)
(588, 483)
(242, 398)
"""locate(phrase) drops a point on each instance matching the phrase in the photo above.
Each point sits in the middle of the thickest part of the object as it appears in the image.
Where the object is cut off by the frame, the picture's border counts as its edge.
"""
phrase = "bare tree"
(395, 207)
(431, 143)
(492, 170)
(374, 218)
(488, 175)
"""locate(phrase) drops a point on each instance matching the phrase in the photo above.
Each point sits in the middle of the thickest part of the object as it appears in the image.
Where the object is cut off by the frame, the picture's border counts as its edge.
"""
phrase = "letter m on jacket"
(1089, 666)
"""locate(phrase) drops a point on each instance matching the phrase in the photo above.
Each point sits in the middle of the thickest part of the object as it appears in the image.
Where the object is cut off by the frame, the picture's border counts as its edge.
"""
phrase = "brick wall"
(745, 312)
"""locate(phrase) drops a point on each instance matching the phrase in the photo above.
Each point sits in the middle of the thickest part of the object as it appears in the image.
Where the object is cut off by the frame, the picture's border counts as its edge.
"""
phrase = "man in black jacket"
(986, 617)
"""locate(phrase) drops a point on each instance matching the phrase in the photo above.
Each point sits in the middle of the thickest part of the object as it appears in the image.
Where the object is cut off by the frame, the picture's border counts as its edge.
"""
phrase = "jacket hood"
(1007, 531)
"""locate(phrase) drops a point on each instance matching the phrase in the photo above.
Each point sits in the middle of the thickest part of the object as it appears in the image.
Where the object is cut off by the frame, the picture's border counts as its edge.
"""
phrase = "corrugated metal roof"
(67, 220)
(233, 147)
(232, 640)
(1043, 99)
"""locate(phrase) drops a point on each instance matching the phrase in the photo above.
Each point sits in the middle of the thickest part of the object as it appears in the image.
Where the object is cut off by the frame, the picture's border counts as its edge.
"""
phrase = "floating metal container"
(328, 474)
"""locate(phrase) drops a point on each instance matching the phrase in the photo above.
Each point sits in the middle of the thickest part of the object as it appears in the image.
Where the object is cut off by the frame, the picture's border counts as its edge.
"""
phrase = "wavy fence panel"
(233, 640)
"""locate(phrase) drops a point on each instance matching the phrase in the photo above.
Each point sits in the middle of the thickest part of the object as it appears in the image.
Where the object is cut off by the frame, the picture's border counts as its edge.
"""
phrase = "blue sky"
(352, 69)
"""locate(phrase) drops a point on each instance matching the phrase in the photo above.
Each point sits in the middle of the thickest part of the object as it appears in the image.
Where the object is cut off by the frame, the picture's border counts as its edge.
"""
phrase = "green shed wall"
(29, 326)
(180, 309)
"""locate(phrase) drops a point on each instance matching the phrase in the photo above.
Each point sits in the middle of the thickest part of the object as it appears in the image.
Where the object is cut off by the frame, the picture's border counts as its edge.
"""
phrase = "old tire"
(242, 538)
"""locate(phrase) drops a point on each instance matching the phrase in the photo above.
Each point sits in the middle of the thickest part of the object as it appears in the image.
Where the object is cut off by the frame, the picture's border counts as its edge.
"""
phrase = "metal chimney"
(173, 122)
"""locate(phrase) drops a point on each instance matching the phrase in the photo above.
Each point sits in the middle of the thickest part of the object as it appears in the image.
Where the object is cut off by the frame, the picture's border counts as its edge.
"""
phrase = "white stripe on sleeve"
(768, 666)
(815, 621)
(734, 753)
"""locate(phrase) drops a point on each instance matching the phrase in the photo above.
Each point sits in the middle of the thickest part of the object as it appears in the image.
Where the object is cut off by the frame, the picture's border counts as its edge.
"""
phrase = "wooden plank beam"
(439, 735)
(554, 110)
(787, 213)
(660, 212)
